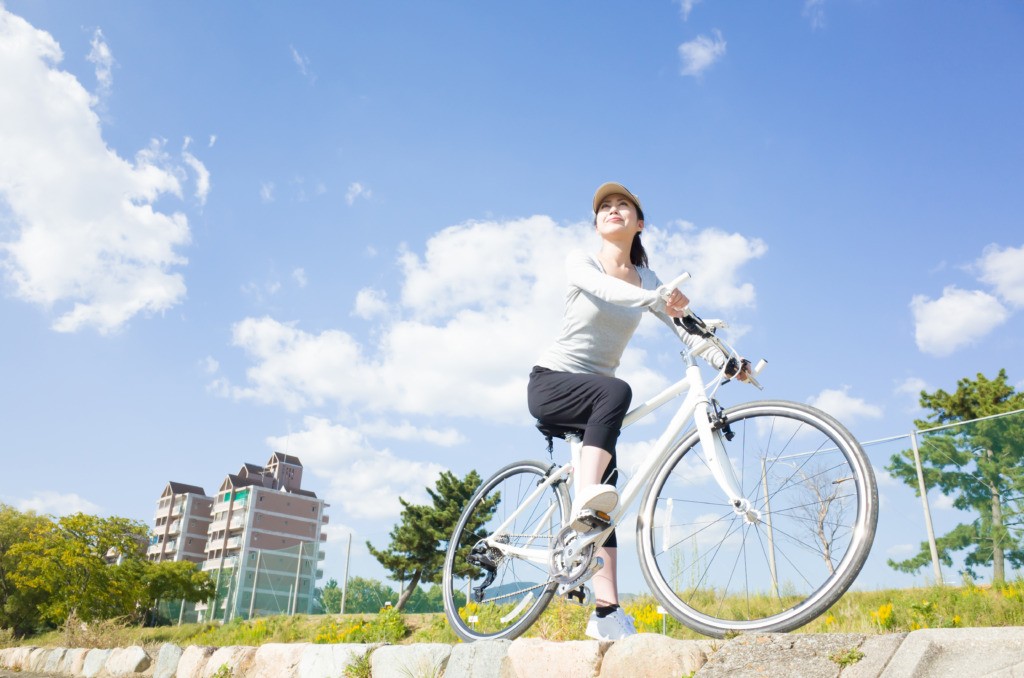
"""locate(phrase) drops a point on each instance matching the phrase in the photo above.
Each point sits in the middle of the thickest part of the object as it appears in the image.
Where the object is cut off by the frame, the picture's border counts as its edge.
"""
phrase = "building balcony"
(175, 527)
(215, 563)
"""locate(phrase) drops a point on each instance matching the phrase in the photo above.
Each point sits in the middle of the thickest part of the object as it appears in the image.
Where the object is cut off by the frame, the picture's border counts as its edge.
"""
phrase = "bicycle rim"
(521, 588)
(813, 507)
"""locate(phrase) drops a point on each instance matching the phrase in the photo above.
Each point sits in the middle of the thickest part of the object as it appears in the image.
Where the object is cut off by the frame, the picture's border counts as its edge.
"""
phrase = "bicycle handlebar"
(693, 324)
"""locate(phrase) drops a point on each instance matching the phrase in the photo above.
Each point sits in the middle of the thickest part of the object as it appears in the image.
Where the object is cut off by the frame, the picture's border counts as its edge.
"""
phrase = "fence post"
(927, 511)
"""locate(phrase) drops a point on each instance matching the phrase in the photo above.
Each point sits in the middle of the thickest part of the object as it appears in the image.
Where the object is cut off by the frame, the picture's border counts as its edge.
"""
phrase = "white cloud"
(686, 6)
(267, 191)
(957, 319)
(86, 233)
(698, 54)
(844, 407)
(814, 10)
(302, 63)
(48, 502)
(101, 56)
(213, 140)
(901, 551)
(202, 174)
(911, 388)
(370, 303)
(474, 312)
(210, 365)
(1003, 269)
(299, 275)
(364, 480)
(357, 190)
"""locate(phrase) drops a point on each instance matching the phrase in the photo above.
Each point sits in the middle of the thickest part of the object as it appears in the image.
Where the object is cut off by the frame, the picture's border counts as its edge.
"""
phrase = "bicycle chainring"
(569, 564)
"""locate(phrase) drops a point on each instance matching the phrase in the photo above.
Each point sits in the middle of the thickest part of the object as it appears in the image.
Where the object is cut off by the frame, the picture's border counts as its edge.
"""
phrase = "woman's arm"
(710, 353)
(585, 273)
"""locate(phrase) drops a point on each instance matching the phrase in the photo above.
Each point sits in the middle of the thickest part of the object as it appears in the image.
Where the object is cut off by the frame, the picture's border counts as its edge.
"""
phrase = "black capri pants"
(594, 402)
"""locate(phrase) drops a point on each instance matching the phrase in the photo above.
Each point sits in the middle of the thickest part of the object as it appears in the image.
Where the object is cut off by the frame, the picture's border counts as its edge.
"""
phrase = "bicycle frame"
(694, 404)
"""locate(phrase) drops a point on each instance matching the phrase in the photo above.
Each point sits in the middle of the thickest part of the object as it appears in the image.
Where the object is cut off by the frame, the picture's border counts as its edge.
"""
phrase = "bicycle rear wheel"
(813, 507)
(520, 589)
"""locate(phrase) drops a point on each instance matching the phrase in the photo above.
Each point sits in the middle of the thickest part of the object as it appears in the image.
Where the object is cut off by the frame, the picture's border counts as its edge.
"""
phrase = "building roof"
(305, 493)
(249, 467)
(182, 488)
(286, 458)
(233, 480)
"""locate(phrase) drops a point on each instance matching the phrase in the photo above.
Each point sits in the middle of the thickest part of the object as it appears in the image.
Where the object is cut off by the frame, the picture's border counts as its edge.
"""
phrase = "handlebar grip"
(666, 288)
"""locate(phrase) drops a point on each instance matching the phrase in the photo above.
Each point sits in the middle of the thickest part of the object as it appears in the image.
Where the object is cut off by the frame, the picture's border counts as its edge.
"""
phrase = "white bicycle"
(755, 518)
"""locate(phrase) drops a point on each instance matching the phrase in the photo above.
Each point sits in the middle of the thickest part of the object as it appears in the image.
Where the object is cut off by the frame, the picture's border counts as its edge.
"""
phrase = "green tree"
(981, 465)
(67, 561)
(367, 595)
(427, 600)
(19, 606)
(417, 549)
(176, 580)
(330, 597)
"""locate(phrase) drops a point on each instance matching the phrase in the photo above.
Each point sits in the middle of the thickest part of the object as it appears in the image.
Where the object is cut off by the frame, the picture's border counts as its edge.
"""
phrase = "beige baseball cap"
(610, 187)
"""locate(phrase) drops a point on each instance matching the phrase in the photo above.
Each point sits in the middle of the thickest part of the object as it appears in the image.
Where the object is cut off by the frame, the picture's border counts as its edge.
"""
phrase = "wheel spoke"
(813, 507)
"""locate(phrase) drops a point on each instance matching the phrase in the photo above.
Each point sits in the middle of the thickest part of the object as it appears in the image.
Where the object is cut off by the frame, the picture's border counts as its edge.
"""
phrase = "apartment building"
(259, 537)
(264, 541)
(181, 524)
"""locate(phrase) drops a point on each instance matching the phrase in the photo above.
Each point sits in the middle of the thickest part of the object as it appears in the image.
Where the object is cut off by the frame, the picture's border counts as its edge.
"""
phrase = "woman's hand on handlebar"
(676, 303)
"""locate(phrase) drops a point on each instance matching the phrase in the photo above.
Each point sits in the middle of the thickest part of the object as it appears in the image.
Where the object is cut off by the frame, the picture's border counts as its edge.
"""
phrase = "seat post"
(576, 454)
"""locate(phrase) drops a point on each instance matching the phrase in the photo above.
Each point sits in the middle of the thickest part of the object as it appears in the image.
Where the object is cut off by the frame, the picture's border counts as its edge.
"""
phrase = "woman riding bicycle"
(574, 383)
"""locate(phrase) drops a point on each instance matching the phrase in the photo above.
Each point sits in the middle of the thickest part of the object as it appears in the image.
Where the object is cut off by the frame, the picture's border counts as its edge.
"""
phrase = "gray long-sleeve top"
(601, 315)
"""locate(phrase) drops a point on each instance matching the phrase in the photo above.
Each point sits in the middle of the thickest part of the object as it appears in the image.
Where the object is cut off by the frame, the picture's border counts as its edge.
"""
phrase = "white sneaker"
(602, 498)
(616, 626)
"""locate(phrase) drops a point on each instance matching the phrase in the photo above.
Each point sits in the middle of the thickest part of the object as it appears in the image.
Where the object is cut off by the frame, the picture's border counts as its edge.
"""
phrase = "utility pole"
(927, 512)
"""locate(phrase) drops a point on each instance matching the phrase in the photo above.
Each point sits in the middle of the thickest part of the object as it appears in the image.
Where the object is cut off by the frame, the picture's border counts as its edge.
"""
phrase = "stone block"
(95, 660)
(878, 652)
(127, 661)
(422, 660)
(652, 654)
(482, 659)
(780, 654)
(74, 662)
(36, 659)
(193, 661)
(167, 658)
(329, 660)
(538, 658)
(959, 652)
(276, 660)
(19, 658)
(236, 657)
(53, 659)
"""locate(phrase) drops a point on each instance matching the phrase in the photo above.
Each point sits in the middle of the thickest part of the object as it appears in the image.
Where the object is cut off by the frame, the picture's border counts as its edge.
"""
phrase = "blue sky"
(336, 229)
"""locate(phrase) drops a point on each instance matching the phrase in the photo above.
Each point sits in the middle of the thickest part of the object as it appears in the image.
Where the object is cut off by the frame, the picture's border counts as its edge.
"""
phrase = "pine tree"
(981, 464)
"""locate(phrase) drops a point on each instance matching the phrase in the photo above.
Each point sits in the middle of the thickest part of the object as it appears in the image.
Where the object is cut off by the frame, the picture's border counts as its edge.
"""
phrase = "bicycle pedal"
(581, 595)
(594, 520)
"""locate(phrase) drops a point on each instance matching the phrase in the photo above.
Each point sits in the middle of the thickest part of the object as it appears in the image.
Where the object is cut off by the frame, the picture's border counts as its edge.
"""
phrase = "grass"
(883, 611)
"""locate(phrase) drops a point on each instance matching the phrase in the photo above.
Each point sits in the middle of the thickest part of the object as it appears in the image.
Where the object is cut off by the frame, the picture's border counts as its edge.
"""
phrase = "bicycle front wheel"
(489, 591)
(794, 546)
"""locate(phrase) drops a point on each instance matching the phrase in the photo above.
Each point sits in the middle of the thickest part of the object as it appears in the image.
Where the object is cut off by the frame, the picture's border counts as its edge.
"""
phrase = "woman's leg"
(598, 404)
(593, 464)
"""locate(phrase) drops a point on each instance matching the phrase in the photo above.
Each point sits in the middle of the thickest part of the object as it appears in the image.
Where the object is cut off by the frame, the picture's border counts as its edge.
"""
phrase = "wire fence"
(976, 467)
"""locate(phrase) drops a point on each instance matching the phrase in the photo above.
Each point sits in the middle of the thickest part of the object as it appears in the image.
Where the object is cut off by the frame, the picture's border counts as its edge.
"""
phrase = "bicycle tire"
(521, 589)
(756, 571)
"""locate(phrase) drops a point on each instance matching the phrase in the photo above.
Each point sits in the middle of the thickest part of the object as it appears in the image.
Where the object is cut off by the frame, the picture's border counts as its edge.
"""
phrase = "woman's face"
(617, 217)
